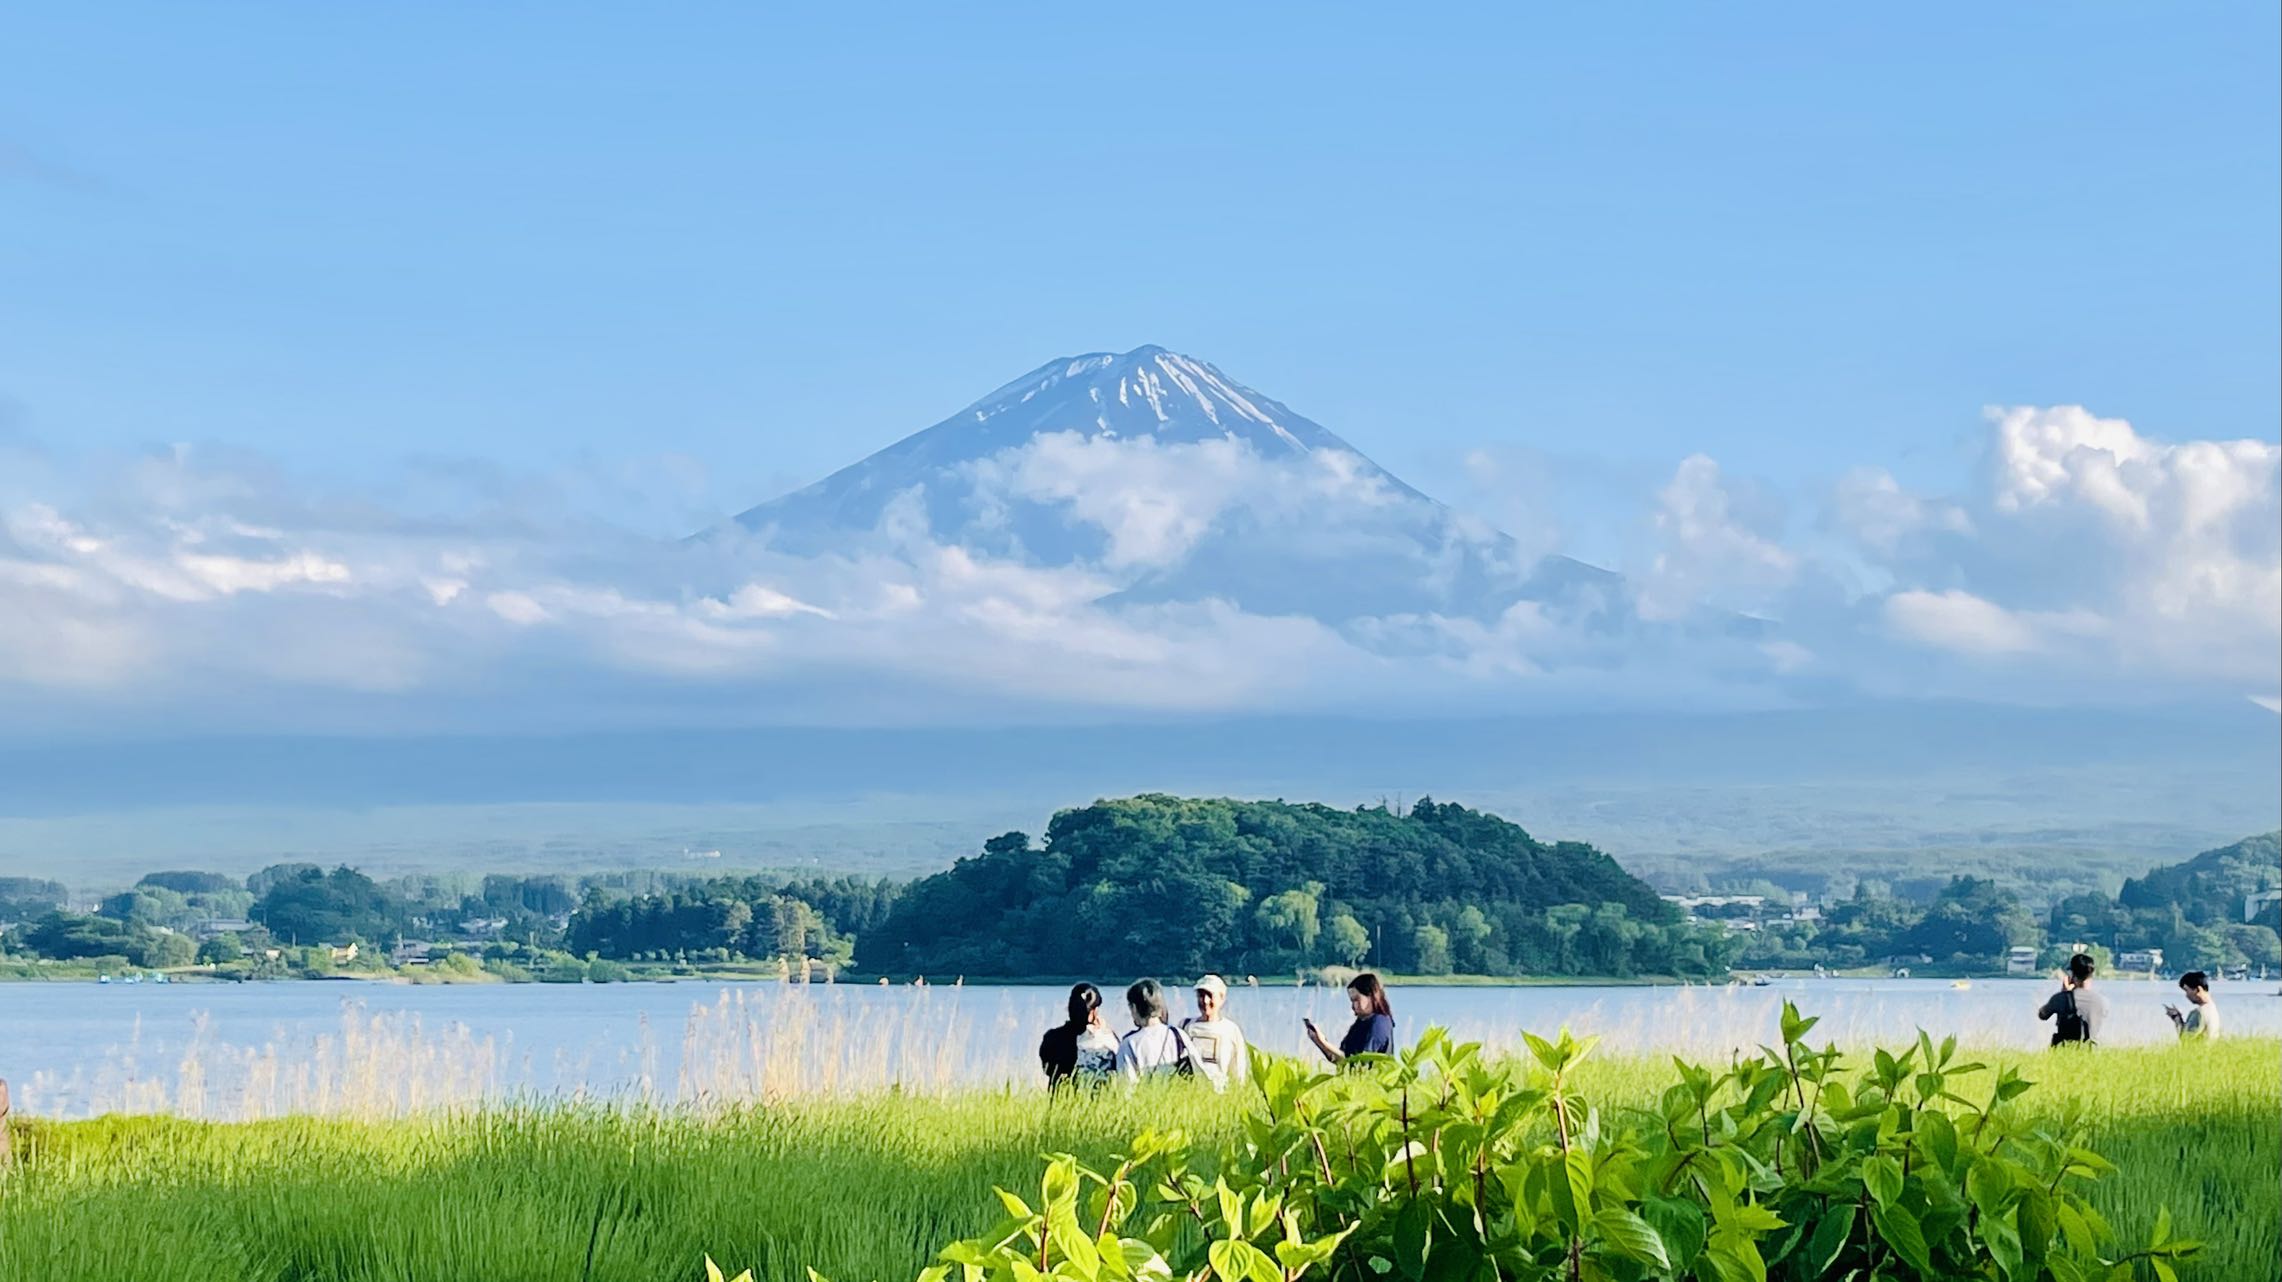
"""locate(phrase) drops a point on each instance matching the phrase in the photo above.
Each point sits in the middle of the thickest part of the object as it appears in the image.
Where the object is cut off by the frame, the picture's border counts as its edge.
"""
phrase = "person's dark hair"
(1375, 992)
(1085, 999)
(2082, 966)
(1146, 999)
(2195, 979)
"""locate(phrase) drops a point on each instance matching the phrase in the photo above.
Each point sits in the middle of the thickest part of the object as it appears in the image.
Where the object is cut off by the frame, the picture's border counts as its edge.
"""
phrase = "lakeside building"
(2020, 959)
(2147, 959)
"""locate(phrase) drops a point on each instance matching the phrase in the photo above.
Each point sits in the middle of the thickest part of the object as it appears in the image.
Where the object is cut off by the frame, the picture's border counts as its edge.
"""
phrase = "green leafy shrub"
(1440, 1163)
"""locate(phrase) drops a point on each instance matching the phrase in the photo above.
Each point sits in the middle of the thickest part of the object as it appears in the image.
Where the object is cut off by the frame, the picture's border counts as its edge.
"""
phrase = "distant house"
(343, 954)
(482, 927)
(1692, 902)
(410, 952)
(2148, 959)
(221, 926)
(2020, 959)
(2254, 904)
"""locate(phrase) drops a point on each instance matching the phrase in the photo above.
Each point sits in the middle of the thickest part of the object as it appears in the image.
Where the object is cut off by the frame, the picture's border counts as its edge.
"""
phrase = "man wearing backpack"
(2076, 1011)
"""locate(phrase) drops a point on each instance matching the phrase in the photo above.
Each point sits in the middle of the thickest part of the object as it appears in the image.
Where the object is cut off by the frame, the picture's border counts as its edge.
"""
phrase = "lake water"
(242, 1050)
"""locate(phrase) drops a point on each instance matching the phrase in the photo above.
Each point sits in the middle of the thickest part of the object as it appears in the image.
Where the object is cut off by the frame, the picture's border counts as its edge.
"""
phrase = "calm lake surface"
(244, 1050)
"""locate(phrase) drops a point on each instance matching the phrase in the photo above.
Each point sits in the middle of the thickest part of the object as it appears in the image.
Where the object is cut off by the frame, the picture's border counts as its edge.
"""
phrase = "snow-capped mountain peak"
(1150, 391)
(1172, 482)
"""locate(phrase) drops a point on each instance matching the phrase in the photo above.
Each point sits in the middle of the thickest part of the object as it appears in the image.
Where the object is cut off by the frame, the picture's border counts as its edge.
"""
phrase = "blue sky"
(1777, 310)
(1797, 237)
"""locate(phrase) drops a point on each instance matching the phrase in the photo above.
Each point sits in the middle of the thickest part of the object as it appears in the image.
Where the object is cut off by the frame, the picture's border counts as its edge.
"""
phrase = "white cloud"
(1871, 506)
(1710, 551)
(2116, 554)
(2089, 556)
(1154, 501)
(1955, 620)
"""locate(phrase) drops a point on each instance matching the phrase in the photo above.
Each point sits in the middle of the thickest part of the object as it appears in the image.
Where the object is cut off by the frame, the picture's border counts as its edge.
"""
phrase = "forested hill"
(2210, 888)
(1177, 886)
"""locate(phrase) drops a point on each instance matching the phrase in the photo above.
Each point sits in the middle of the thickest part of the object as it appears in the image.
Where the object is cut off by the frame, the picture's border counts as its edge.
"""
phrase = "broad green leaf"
(1755, 1218)
(2004, 1245)
(2075, 1231)
(1632, 1236)
(2034, 1218)
(1543, 1051)
(1938, 1136)
(1681, 1226)
(1882, 1175)
(1739, 1259)
(1900, 1229)
(1232, 1260)
(1828, 1240)
(1231, 1207)
(1071, 1243)
(1014, 1206)
(1577, 1167)
(1261, 1215)
(1414, 1238)
(1989, 1186)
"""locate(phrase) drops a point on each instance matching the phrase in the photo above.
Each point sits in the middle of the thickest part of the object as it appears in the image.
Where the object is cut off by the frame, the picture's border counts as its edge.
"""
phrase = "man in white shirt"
(1216, 1044)
(2202, 1017)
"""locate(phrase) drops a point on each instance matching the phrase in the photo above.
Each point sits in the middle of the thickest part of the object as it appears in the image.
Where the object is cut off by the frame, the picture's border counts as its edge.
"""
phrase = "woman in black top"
(1082, 1048)
(1372, 1033)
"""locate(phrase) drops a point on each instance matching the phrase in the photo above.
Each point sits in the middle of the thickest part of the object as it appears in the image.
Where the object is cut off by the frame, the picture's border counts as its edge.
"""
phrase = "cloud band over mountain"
(1130, 534)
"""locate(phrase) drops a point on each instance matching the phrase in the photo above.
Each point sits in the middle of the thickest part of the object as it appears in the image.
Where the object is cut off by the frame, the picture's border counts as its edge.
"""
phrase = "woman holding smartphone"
(1372, 1033)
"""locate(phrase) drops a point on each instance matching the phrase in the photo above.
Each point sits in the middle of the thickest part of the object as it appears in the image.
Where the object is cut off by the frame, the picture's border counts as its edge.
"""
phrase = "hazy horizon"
(1325, 408)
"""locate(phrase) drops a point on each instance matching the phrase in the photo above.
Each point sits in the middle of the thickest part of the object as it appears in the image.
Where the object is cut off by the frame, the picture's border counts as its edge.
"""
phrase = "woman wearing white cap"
(1216, 1044)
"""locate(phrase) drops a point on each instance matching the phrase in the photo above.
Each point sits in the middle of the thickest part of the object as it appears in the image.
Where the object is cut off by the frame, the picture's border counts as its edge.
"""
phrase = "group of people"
(1209, 1045)
(2078, 1010)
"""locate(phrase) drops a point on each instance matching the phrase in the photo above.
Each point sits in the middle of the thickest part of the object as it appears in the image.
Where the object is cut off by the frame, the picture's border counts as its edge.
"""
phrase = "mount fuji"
(1176, 483)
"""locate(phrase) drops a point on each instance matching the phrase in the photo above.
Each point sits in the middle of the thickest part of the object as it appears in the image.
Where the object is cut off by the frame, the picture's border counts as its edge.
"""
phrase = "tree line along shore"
(1142, 885)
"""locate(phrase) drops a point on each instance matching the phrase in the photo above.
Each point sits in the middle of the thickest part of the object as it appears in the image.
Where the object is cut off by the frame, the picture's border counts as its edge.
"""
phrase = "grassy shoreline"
(866, 1188)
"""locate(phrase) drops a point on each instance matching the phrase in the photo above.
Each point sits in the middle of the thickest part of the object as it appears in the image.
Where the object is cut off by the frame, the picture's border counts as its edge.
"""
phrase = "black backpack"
(1185, 1065)
(2068, 1023)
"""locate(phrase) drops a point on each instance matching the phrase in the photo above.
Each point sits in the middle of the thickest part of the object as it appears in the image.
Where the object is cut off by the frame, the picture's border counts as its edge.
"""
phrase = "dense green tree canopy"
(2210, 889)
(308, 906)
(1172, 885)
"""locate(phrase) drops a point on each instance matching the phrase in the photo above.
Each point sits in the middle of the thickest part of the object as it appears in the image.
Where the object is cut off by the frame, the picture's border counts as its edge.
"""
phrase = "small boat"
(1961, 984)
(1761, 981)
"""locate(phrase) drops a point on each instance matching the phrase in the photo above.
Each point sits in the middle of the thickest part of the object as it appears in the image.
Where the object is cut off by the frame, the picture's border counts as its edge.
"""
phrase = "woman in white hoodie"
(1153, 1047)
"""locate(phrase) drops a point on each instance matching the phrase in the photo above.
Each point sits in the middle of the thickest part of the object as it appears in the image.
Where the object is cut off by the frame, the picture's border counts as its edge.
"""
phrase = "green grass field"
(865, 1190)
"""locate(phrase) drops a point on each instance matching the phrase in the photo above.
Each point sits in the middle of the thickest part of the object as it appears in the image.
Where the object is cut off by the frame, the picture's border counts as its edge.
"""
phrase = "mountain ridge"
(1183, 485)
